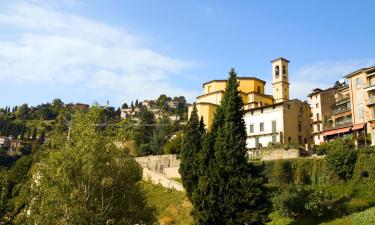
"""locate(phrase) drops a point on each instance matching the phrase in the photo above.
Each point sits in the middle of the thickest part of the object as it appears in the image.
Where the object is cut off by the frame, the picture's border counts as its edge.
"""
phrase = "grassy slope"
(366, 217)
(172, 206)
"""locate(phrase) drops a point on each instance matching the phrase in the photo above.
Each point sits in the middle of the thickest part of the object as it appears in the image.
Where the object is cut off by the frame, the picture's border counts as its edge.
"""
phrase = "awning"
(358, 126)
(337, 131)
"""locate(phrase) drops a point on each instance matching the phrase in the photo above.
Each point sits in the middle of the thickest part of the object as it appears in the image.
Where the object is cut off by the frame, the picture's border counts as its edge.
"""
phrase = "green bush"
(341, 159)
(295, 201)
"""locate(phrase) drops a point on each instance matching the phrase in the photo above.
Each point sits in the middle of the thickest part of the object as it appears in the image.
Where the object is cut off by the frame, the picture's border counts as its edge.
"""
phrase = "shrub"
(341, 159)
(295, 201)
(291, 201)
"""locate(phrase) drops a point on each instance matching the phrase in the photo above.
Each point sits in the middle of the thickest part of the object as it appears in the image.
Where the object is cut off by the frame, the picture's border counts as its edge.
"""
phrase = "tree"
(22, 112)
(124, 106)
(161, 135)
(143, 133)
(230, 190)
(191, 146)
(33, 136)
(86, 181)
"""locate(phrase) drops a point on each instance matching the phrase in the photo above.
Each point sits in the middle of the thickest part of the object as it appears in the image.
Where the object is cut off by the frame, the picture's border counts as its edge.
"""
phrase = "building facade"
(321, 102)
(279, 123)
(270, 119)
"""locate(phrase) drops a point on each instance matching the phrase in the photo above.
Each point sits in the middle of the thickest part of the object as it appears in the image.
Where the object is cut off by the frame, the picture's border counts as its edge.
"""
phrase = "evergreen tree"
(191, 146)
(201, 125)
(33, 136)
(230, 190)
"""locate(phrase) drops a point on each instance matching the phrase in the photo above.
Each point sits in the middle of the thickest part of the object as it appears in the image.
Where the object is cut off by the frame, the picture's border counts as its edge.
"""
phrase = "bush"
(295, 201)
(341, 159)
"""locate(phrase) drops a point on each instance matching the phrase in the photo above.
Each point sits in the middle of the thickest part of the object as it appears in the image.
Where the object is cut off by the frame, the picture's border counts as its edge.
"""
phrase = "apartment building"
(362, 95)
(321, 102)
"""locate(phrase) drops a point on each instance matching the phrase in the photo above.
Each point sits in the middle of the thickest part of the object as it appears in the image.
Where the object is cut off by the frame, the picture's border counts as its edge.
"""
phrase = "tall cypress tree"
(230, 190)
(190, 148)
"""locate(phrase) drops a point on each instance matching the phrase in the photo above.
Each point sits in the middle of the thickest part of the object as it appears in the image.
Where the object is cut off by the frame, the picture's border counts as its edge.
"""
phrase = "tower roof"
(280, 58)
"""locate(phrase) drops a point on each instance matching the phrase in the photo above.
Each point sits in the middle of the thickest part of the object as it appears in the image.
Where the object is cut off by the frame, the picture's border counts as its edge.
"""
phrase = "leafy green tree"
(33, 135)
(86, 180)
(143, 133)
(161, 135)
(174, 145)
(191, 146)
(230, 190)
(23, 112)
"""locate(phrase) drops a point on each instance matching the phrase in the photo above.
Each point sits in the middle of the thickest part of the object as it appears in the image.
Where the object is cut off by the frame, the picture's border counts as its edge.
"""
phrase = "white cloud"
(323, 75)
(55, 47)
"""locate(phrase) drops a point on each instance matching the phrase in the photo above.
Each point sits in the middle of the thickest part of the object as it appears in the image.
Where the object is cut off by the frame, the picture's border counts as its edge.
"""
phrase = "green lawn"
(172, 206)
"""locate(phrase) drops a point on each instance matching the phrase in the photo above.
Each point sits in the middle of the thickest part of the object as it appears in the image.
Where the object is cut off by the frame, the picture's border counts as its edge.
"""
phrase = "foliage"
(86, 180)
(230, 191)
(295, 201)
(174, 145)
(191, 146)
(341, 159)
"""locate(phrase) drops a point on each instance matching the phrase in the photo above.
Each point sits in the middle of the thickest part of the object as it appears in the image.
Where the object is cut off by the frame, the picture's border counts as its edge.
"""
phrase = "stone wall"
(275, 154)
(158, 162)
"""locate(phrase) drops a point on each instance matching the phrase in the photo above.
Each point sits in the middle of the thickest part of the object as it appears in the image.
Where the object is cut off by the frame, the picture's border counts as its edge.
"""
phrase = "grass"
(366, 217)
(172, 207)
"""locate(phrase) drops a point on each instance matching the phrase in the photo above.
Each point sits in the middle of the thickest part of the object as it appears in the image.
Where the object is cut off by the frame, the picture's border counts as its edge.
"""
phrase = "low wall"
(172, 172)
(275, 154)
(158, 162)
(159, 178)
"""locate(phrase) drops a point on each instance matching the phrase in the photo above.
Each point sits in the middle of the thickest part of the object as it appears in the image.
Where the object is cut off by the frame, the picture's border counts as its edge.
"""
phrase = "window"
(273, 126)
(261, 126)
(305, 140)
(288, 106)
(208, 88)
(317, 116)
(273, 139)
(318, 126)
(299, 127)
(299, 139)
(301, 109)
(284, 71)
(277, 71)
(289, 139)
(358, 82)
(258, 89)
(251, 128)
(317, 105)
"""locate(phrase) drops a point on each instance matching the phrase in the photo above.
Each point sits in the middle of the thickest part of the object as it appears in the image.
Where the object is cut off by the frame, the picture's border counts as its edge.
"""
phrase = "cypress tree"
(33, 136)
(190, 148)
(230, 190)
(201, 125)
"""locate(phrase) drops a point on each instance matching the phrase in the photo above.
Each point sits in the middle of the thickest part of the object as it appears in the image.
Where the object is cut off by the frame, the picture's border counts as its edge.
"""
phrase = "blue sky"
(86, 51)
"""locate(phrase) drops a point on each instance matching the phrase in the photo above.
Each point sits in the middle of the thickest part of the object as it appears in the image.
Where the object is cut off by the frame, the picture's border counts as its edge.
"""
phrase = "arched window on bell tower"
(284, 71)
(277, 71)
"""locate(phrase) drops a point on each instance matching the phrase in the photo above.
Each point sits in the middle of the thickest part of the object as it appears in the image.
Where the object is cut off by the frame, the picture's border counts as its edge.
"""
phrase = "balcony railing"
(337, 126)
(371, 101)
(341, 101)
(370, 85)
(340, 110)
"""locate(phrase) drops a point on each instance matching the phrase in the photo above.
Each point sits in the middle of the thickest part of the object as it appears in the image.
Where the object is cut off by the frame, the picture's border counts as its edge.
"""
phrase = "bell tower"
(280, 80)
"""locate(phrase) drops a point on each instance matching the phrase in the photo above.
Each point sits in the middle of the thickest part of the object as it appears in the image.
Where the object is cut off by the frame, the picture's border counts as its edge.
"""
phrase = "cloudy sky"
(86, 51)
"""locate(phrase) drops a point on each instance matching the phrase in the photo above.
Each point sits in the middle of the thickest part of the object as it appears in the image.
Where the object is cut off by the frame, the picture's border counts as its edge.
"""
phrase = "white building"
(280, 123)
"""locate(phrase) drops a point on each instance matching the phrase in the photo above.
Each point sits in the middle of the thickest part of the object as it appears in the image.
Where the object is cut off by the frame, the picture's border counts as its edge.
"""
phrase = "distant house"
(148, 104)
(80, 106)
(4, 142)
(126, 113)
(172, 104)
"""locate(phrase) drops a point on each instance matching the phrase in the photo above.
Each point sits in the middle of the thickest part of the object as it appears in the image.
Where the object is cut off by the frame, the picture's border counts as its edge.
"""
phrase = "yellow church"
(250, 88)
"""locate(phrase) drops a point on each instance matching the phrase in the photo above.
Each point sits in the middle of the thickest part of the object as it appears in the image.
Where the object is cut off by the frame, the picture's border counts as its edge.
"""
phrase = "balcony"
(336, 111)
(337, 126)
(370, 86)
(341, 101)
(371, 101)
